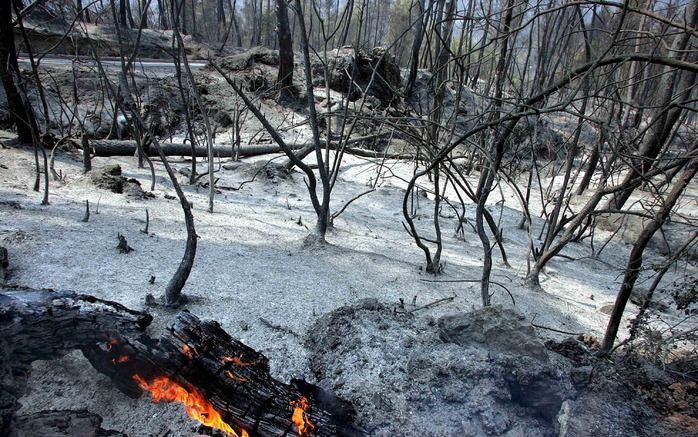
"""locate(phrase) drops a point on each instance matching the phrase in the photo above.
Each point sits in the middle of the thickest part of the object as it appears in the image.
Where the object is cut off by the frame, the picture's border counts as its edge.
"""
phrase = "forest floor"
(253, 273)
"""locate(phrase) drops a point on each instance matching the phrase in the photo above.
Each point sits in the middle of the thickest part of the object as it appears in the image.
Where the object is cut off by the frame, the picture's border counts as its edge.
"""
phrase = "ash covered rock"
(163, 110)
(62, 423)
(410, 376)
(671, 237)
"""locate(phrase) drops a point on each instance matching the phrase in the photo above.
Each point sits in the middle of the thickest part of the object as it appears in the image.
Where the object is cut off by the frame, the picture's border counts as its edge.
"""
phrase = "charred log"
(128, 148)
(42, 325)
(192, 359)
(204, 360)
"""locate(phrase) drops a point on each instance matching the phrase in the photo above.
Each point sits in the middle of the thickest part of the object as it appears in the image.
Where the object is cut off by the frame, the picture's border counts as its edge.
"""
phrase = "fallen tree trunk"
(107, 148)
(128, 148)
(225, 384)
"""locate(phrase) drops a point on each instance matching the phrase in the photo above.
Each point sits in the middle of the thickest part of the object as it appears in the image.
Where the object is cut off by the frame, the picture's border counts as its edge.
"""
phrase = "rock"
(639, 296)
(581, 375)
(459, 110)
(499, 329)
(536, 133)
(163, 110)
(132, 188)
(59, 423)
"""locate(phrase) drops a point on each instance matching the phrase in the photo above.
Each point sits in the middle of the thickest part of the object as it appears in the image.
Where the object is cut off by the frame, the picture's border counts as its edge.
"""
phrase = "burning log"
(221, 382)
(43, 325)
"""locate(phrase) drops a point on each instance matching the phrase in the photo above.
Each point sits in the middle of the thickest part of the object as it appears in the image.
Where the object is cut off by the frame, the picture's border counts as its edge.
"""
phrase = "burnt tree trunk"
(4, 262)
(128, 148)
(634, 265)
(285, 78)
(9, 74)
(195, 356)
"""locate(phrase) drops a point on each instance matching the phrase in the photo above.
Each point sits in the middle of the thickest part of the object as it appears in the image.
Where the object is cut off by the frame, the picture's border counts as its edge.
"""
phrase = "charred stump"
(222, 383)
(4, 263)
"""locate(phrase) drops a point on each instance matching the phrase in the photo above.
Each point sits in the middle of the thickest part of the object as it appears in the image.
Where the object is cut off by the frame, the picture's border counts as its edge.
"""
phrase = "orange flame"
(237, 361)
(300, 416)
(235, 377)
(198, 408)
(111, 343)
(189, 351)
(120, 360)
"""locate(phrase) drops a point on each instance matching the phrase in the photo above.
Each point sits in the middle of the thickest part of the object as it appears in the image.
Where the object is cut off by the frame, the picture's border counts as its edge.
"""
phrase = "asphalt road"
(150, 67)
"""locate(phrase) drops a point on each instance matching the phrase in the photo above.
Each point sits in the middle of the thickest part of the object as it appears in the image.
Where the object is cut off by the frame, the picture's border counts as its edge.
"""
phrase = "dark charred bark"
(634, 266)
(285, 78)
(86, 160)
(4, 263)
(42, 325)
(122, 13)
(128, 148)
(144, 14)
(416, 47)
(198, 356)
(162, 15)
(9, 73)
(83, 13)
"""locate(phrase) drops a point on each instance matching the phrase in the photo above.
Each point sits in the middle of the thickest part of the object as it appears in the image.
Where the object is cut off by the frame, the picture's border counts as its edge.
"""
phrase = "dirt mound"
(410, 376)
(110, 178)
(481, 373)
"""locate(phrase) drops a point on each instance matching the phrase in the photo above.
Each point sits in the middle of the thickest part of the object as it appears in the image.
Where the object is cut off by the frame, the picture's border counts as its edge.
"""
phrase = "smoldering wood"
(43, 325)
(232, 376)
(197, 355)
